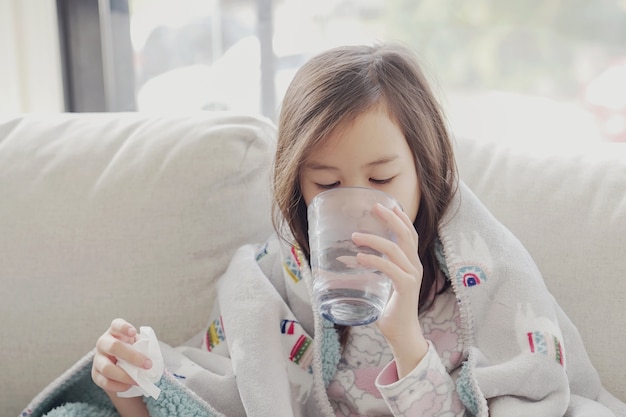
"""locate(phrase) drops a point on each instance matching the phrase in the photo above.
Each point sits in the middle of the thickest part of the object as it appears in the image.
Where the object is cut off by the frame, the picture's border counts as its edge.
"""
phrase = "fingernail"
(147, 364)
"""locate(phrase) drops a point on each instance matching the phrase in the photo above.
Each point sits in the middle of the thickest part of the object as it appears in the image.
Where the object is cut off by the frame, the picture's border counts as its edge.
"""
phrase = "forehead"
(372, 132)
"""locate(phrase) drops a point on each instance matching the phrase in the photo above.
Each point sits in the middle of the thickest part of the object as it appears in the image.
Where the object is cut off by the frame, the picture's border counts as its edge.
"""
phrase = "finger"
(109, 376)
(123, 330)
(112, 347)
(404, 281)
(407, 237)
(392, 251)
(401, 225)
(407, 222)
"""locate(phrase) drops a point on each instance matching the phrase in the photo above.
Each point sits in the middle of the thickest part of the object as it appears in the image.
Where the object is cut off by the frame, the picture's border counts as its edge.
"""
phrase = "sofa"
(106, 215)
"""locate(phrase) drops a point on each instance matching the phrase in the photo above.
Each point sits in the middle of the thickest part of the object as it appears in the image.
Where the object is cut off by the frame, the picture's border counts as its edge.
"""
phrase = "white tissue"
(146, 343)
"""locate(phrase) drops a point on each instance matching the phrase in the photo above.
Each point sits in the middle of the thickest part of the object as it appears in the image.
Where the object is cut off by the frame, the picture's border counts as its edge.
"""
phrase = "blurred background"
(534, 72)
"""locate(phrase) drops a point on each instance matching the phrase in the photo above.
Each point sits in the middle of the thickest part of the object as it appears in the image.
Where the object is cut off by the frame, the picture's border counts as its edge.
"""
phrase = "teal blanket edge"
(75, 394)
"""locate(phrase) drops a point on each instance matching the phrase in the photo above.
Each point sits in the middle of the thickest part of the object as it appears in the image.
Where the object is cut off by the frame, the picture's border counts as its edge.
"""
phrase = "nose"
(355, 212)
(357, 205)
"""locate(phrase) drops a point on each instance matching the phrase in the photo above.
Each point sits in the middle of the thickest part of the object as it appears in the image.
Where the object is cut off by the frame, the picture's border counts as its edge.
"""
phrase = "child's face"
(369, 152)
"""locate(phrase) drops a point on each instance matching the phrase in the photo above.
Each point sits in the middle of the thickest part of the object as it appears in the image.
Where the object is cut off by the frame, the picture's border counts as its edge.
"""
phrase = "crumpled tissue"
(146, 342)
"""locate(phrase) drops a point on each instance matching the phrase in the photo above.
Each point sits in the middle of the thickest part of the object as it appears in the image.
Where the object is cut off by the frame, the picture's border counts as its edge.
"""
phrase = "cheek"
(409, 197)
(308, 193)
(412, 210)
(410, 207)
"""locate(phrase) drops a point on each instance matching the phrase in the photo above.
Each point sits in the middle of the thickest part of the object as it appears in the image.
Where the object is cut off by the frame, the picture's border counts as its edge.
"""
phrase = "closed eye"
(380, 182)
(327, 186)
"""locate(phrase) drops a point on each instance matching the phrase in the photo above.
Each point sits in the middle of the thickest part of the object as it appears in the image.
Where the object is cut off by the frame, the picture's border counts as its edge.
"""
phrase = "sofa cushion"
(107, 215)
(568, 207)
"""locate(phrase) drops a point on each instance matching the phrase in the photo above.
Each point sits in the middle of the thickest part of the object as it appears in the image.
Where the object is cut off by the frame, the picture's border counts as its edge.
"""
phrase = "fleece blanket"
(524, 356)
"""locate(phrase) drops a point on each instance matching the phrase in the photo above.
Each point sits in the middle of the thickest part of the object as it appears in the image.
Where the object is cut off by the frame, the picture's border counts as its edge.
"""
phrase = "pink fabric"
(367, 381)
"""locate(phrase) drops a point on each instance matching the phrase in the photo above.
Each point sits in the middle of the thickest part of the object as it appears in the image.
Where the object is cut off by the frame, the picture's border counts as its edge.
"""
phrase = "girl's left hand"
(399, 322)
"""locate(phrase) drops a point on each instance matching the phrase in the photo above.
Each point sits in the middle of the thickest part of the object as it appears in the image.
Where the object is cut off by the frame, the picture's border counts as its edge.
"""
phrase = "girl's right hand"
(115, 343)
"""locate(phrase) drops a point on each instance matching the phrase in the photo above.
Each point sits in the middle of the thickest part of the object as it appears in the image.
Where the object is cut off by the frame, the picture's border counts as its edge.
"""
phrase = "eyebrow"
(318, 166)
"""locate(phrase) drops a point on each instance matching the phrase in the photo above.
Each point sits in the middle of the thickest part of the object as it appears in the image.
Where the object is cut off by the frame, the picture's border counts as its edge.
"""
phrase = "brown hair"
(334, 88)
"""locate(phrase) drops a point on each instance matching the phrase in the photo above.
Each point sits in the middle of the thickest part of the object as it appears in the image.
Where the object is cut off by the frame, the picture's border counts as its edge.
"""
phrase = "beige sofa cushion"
(107, 215)
(568, 206)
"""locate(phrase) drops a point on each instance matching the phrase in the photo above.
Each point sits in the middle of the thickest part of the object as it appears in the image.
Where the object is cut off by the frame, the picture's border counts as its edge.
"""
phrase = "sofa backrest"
(129, 215)
(568, 207)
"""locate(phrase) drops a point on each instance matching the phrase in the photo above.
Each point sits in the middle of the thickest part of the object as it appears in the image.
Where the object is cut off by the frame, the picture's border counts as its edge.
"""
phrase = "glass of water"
(344, 291)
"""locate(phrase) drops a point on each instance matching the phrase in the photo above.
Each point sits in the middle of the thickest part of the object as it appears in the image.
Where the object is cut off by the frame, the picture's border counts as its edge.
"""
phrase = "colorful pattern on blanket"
(502, 302)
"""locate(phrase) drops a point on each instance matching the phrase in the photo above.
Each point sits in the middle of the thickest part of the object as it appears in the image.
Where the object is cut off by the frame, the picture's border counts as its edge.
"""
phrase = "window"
(532, 72)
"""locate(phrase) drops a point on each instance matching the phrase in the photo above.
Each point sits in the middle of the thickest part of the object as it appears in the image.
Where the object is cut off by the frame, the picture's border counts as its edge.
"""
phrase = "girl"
(470, 329)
